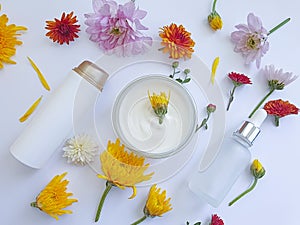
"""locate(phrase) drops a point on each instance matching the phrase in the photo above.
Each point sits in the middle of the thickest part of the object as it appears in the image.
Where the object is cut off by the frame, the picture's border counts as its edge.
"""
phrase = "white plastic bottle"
(53, 120)
(213, 184)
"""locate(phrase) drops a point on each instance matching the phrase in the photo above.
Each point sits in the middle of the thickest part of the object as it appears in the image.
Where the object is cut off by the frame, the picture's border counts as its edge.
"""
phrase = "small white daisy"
(80, 149)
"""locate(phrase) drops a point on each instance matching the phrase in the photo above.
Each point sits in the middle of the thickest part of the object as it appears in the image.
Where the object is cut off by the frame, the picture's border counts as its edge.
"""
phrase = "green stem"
(277, 121)
(279, 25)
(34, 204)
(231, 97)
(214, 5)
(203, 123)
(107, 189)
(245, 192)
(261, 102)
(139, 220)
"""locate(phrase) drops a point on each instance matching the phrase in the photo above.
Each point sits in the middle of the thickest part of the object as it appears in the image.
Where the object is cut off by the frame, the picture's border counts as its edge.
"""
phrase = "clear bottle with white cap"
(52, 122)
(213, 184)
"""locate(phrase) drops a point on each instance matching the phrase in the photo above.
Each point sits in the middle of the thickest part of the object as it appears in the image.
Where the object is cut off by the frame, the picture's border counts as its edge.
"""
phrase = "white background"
(275, 199)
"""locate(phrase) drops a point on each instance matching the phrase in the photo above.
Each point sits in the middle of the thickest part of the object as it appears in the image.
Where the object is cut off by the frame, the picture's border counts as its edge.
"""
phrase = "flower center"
(253, 42)
(115, 31)
(64, 29)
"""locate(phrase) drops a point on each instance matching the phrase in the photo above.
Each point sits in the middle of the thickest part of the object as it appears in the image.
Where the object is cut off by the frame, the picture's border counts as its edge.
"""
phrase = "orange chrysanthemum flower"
(8, 40)
(279, 108)
(176, 41)
(63, 30)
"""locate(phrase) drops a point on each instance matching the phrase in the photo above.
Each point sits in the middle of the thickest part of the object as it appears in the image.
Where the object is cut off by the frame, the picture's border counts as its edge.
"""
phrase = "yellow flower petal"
(133, 192)
(214, 69)
(30, 110)
(40, 75)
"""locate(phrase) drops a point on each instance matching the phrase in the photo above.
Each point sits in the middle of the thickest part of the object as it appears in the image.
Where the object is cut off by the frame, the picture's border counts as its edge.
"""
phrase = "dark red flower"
(63, 30)
(280, 108)
(216, 220)
(239, 79)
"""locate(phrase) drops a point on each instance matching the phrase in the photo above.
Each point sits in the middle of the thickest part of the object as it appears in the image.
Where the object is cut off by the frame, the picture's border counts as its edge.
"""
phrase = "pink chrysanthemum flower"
(117, 28)
(251, 39)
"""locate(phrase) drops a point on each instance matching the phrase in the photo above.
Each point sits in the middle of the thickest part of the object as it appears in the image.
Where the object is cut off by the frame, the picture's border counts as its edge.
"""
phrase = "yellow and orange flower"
(63, 30)
(156, 205)
(176, 41)
(8, 40)
(54, 198)
(121, 169)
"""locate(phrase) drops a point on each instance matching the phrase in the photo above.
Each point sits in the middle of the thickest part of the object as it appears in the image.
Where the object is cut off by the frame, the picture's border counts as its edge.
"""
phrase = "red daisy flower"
(216, 220)
(279, 108)
(237, 80)
(176, 41)
(63, 30)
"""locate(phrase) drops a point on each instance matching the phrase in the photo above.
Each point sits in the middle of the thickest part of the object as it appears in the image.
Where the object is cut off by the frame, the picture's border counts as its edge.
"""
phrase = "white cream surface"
(138, 126)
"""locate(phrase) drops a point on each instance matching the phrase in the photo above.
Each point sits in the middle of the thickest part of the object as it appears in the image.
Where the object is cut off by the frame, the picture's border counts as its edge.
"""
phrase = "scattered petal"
(214, 69)
(30, 110)
(40, 75)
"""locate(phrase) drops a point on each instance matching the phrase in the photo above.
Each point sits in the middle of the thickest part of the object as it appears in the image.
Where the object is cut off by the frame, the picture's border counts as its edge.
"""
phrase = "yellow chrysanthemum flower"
(214, 19)
(54, 198)
(159, 104)
(121, 169)
(8, 40)
(258, 171)
(156, 204)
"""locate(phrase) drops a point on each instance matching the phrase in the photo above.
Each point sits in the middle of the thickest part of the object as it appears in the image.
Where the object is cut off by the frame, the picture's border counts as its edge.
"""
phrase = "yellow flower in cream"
(121, 169)
(8, 40)
(54, 198)
(159, 104)
(157, 204)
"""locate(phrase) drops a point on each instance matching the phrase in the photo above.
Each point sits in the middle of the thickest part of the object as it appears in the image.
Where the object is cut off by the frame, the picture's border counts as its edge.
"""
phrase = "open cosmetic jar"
(137, 125)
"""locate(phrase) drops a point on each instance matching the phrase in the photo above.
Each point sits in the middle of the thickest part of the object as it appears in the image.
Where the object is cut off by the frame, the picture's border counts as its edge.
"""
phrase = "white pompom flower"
(80, 149)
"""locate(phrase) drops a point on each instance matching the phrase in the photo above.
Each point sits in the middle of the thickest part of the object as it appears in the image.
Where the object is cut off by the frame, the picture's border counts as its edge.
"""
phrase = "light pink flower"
(278, 77)
(117, 28)
(251, 40)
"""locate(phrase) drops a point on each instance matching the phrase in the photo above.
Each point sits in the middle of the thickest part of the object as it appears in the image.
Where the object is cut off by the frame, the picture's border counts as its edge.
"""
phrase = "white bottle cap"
(258, 117)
